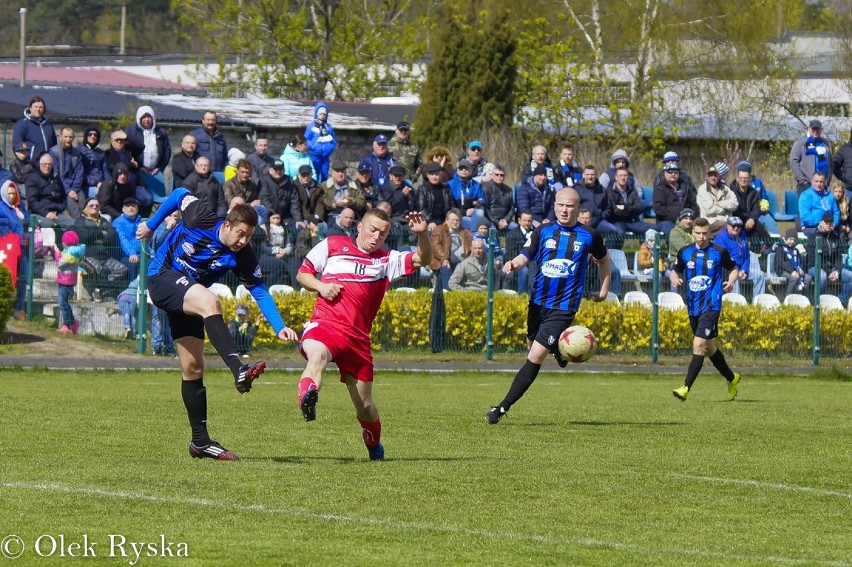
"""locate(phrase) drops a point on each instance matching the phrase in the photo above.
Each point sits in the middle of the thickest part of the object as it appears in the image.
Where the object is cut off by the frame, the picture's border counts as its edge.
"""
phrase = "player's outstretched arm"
(270, 311)
(675, 279)
(732, 279)
(170, 205)
(417, 224)
(515, 263)
(605, 275)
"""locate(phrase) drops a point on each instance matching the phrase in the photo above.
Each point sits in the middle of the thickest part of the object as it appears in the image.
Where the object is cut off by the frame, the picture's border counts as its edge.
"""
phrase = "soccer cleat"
(732, 386)
(75, 326)
(65, 330)
(494, 415)
(248, 374)
(560, 360)
(681, 393)
(212, 450)
(308, 404)
(377, 453)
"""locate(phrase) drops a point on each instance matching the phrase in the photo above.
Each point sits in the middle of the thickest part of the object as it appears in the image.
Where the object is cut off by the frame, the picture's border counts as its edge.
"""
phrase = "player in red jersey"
(351, 278)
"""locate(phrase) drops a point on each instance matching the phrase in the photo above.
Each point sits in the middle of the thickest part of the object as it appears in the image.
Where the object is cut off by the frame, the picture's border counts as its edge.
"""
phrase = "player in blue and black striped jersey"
(702, 265)
(197, 252)
(561, 251)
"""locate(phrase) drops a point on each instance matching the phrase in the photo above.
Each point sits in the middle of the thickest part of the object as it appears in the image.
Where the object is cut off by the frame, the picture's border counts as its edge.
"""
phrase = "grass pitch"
(585, 470)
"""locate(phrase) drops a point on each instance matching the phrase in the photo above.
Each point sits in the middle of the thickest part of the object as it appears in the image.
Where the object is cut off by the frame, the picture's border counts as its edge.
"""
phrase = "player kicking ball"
(350, 278)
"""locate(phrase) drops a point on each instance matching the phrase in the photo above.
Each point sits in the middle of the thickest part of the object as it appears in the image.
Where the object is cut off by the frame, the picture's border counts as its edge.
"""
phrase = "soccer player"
(196, 253)
(700, 264)
(561, 252)
(351, 277)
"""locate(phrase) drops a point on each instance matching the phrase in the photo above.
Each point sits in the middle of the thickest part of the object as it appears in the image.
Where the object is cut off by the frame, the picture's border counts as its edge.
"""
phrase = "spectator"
(481, 233)
(716, 201)
(842, 167)
(671, 158)
(243, 331)
(814, 202)
(625, 205)
(68, 162)
(620, 159)
(811, 154)
(539, 158)
(204, 185)
(260, 159)
(125, 226)
(364, 181)
(321, 141)
(118, 153)
(96, 168)
(46, 197)
(736, 243)
(844, 226)
(115, 190)
(381, 160)
(296, 155)
(432, 197)
(593, 197)
(499, 201)
(450, 245)
(279, 196)
(339, 193)
(308, 237)
(95, 231)
(748, 205)
(441, 156)
(568, 173)
(681, 234)
(467, 194)
(276, 256)
(242, 186)
(399, 195)
(235, 156)
(343, 224)
(34, 129)
(67, 265)
(210, 141)
(127, 308)
(832, 247)
(183, 162)
(22, 166)
(646, 255)
(672, 195)
(766, 217)
(475, 157)
(308, 189)
(789, 264)
(404, 151)
(14, 217)
(469, 274)
(536, 195)
(148, 143)
(515, 240)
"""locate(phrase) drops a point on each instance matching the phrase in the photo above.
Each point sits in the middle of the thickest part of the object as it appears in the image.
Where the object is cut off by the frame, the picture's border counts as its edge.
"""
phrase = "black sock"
(694, 368)
(195, 399)
(718, 360)
(523, 380)
(221, 340)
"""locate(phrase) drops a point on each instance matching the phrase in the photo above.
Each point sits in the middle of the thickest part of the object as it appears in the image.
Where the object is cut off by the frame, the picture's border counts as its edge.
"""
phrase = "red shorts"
(352, 356)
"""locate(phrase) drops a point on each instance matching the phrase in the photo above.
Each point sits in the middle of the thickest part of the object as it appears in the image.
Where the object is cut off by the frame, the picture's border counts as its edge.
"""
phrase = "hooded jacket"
(111, 195)
(39, 133)
(150, 148)
(95, 159)
(608, 177)
(9, 211)
(294, 159)
(319, 135)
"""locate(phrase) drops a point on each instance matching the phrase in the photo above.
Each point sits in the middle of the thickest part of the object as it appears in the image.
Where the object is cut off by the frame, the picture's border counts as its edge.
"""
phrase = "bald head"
(567, 206)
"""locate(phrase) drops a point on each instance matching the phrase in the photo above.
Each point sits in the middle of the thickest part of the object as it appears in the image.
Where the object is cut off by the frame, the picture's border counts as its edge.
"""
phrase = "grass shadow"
(630, 423)
(297, 459)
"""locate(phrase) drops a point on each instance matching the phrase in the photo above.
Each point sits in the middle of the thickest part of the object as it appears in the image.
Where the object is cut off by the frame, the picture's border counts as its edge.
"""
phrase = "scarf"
(816, 147)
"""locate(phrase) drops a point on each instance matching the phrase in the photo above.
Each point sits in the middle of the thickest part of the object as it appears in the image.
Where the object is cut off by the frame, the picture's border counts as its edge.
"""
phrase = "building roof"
(89, 76)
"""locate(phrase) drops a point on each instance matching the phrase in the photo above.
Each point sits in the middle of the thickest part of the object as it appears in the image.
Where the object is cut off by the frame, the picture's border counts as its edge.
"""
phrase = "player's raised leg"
(318, 357)
(368, 416)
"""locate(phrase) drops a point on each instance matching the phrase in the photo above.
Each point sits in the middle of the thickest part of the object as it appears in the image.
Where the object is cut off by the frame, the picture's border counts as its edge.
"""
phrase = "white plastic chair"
(619, 260)
(405, 289)
(830, 302)
(281, 289)
(222, 290)
(610, 296)
(639, 297)
(766, 301)
(242, 292)
(798, 300)
(507, 291)
(735, 298)
(670, 300)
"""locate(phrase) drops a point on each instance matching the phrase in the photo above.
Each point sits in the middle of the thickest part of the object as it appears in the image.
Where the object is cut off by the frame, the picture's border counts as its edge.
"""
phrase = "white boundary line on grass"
(759, 484)
(301, 513)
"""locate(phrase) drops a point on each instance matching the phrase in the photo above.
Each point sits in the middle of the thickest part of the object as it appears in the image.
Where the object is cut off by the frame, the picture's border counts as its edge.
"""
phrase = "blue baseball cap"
(474, 144)
(381, 139)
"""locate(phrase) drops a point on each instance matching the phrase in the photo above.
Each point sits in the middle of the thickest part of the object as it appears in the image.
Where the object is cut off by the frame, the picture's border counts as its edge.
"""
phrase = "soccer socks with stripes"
(220, 338)
(694, 368)
(372, 432)
(195, 399)
(718, 360)
(523, 380)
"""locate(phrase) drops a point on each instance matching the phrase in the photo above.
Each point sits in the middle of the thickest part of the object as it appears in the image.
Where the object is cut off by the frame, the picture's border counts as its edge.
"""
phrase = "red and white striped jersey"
(365, 279)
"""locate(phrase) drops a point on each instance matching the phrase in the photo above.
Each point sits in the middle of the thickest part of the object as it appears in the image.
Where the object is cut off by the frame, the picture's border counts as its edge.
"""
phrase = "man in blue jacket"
(210, 141)
(35, 129)
(814, 202)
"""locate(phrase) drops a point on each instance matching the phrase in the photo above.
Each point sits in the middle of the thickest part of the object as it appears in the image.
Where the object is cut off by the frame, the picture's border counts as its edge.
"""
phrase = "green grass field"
(586, 470)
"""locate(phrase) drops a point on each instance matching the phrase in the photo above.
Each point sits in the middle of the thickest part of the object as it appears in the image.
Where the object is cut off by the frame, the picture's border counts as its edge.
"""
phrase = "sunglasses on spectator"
(495, 174)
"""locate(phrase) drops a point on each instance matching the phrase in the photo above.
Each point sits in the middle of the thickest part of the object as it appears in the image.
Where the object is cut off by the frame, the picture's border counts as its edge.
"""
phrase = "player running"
(351, 278)
(196, 253)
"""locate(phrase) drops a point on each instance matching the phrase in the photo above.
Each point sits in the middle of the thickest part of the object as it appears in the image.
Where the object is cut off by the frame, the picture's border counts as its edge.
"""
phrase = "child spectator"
(127, 308)
(646, 254)
(68, 264)
(788, 263)
(321, 141)
(22, 166)
(234, 157)
(242, 331)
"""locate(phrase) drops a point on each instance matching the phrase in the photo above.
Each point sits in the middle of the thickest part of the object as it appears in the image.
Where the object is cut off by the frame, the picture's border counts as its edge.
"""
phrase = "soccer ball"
(577, 343)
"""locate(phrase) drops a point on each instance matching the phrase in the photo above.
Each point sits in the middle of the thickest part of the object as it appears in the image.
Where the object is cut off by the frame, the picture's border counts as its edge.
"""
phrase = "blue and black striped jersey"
(702, 270)
(193, 248)
(562, 255)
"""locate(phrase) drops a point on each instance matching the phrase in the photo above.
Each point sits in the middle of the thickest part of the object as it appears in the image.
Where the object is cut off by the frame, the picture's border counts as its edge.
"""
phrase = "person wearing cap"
(681, 234)
(467, 195)
(241, 185)
(260, 159)
(499, 200)
(433, 197)
(197, 253)
(364, 181)
(68, 161)
(735, 242)
(309, 190)
(118, 153)
(399, 194)
(183, 162)
(338, 193)
(625, 205)
(814, 202)
(148, 143)
(279, 195)
(210, 141)
(204, 185)
(68, 261)
(790, 264)
(295, 155)
(97, 170)
(701, 266)
(46, 197)
(380, 159)
(811, 153)
(34, 128)
(404, 151)
(671, 157)
(474, 154)
(125, 227)
(242, 330)
(568, 172)
(748, 205)
(716, 201)
(832, 249)
(321, 141)
(671, 196)
(21, 167)
(536, 195)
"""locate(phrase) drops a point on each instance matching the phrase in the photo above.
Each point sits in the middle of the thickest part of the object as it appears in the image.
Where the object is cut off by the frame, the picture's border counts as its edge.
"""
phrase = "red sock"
(372, 432)
(306, 384)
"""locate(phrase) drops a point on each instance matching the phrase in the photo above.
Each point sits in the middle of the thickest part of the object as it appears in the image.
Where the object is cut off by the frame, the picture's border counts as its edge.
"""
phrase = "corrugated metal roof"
(91, 76)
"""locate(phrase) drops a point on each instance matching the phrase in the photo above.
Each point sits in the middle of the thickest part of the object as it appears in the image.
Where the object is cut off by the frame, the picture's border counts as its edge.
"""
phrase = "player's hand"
(508, 267)
(597, 297)
(330, 291)
(288, 334)
(727, 286)
(142, 231)
(416, 222)
(676, 281)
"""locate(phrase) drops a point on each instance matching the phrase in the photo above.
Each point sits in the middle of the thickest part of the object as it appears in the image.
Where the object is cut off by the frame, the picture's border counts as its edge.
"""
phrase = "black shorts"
(167, 290)
(545, 325)
(706, 325)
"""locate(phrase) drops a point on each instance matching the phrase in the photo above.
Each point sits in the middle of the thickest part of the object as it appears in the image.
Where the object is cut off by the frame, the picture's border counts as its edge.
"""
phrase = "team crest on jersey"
(558, 268)
(187, 248)
(186, 201)
(257, 272)
(215, 265)
(551, 339)
(578, 246)
(346, 249)
(709, 263)
(706, 332)
(690, 265)
(550, 244)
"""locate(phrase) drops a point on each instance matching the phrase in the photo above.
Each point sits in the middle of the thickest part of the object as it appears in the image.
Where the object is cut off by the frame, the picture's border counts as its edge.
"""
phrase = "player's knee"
(192, 371)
